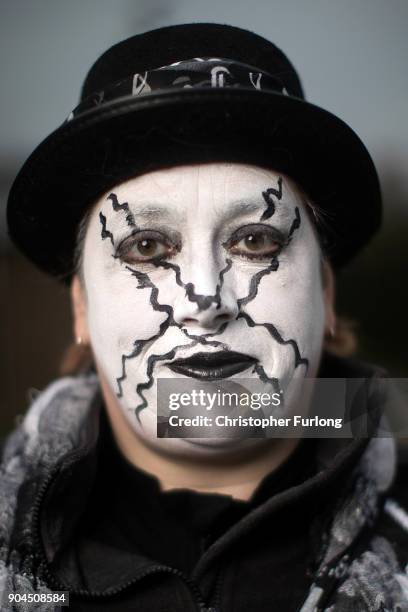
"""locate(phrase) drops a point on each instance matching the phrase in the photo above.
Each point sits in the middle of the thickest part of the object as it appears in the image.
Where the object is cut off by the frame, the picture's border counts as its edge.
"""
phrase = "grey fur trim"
(51, 427)
(372, 584)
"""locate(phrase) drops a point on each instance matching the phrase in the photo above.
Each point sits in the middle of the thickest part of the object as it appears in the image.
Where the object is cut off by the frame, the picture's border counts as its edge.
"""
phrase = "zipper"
(55, 583)
(218, 586)
(329, 578)
(156, 569)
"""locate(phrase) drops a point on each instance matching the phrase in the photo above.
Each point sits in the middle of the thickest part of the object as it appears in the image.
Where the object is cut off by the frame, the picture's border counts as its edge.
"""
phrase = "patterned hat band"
(198, 72)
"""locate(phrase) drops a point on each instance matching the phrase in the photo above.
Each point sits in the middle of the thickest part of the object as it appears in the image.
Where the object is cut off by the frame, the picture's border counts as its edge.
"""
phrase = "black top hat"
(191, 93)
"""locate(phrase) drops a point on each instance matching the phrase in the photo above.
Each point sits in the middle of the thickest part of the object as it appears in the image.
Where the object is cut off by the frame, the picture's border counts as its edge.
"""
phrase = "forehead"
(216, 188)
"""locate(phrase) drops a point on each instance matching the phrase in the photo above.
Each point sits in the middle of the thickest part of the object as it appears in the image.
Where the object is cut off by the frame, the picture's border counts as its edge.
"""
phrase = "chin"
(204, 447)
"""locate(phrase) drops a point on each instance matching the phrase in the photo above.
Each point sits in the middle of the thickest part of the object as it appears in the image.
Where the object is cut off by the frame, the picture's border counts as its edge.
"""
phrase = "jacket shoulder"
(393, 519)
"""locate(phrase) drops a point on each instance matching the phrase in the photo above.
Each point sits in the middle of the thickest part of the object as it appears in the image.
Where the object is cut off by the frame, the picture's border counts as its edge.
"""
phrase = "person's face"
(201, 259)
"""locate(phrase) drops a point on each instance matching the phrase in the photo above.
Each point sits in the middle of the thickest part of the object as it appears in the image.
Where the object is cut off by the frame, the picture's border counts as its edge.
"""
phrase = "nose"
(208, 302)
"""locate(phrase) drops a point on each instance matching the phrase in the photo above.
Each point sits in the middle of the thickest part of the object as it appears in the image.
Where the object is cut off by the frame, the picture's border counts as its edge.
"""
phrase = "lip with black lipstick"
(211, 366)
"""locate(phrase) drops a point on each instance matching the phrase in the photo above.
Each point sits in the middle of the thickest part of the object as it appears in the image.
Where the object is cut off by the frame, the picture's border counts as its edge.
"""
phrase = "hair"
(78, 258)
(78, 358)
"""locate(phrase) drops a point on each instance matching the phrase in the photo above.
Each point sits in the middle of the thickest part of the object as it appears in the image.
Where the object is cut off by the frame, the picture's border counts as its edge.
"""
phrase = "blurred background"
(352, 57)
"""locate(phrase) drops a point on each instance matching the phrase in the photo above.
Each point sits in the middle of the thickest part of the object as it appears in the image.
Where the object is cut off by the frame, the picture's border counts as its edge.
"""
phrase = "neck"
(236, 473)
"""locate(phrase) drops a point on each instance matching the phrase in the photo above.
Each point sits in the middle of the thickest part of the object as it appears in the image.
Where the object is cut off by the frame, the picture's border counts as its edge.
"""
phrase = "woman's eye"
(145, 247)
(149, 247)
(255, 244)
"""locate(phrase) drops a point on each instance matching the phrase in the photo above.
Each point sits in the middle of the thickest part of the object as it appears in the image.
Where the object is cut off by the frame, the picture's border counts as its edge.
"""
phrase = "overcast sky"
(352, 56)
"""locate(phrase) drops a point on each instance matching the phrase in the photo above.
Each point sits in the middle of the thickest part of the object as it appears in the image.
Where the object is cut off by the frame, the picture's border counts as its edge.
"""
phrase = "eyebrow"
(242, 207)
(239, 208)
(152, 211)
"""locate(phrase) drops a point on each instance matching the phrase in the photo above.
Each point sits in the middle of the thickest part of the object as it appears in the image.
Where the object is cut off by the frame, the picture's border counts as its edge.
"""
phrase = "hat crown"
(170, 44)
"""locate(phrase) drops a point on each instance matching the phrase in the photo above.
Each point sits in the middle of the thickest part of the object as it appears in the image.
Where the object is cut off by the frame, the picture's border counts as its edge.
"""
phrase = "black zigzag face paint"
(196, 260)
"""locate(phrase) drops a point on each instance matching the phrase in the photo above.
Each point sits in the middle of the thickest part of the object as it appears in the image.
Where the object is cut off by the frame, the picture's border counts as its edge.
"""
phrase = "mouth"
(212, 366)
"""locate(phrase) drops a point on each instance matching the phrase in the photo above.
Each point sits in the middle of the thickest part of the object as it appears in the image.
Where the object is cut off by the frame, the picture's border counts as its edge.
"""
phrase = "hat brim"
(90, 154)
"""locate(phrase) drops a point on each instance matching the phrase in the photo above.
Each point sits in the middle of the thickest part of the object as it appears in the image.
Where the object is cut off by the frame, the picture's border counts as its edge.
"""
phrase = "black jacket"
(269, 559)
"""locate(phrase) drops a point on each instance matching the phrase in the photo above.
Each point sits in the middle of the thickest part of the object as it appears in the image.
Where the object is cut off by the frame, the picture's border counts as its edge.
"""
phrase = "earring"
(332, 332)
(79, 341)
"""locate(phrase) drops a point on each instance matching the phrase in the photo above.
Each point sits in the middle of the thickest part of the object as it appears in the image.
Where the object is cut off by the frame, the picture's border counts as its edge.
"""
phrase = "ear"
(79, 311)
(329, 298)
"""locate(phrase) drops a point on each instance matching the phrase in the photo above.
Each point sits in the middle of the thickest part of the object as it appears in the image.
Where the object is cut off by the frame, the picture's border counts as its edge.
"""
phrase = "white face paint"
(240, 228)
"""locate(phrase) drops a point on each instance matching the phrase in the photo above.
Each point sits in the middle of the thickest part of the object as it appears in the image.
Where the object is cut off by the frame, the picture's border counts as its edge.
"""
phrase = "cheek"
(292, 299)
(119, 314)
